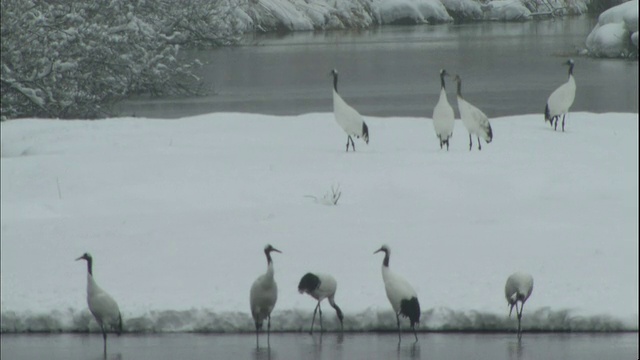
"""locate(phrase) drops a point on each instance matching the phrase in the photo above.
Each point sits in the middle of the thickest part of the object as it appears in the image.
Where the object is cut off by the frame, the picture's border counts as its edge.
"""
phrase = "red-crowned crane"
(320, 286)
(401, 295)
(561, 99)
(443, 116)
(476, 122)
(347, 117)
(263, 295)
(104, 309)
(518, 288)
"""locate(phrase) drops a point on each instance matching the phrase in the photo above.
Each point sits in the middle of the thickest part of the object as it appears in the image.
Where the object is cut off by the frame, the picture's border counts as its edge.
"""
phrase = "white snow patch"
(176, 214)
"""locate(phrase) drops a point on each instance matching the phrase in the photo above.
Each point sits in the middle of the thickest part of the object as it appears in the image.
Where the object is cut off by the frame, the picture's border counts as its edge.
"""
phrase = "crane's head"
(334, 73)
(444, 72)
(383, 248)
(569, 62)
(85, 256)
(269, 248)
(457, 78)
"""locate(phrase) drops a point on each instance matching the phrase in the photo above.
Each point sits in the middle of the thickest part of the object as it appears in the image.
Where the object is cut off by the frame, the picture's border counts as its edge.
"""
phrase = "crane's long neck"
(570, 70)
(459, 88)
(385, 262)
(269, 264)
(337, 308)
(335, 82)
(90, 266)
(442, 81)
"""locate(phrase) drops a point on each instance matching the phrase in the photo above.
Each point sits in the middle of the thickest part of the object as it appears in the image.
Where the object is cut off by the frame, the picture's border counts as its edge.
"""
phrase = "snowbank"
(616, 33)
(291, 15)
(176, 214)
(506, 10)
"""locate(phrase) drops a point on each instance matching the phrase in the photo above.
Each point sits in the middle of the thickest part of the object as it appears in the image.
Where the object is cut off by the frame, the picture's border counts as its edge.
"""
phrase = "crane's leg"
(447, 144)
(257, 337)
(320, 311)
(269, 331)
(479, 143)
(563, 115)
(414, 332)
(353, 145)
(555, 127)
(519, 320)
(440, 141)
(470, 142)
(348, 137)
(399, 331)
(104, 338)
(314, 318)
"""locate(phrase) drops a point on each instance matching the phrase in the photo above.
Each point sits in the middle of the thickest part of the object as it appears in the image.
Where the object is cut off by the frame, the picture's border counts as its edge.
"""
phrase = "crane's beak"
(81, 258)
(511, 309)
(377, 251)
(276, 250)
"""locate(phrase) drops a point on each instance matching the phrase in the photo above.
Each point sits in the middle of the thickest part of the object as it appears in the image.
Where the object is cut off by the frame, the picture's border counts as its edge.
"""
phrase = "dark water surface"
(329, 346)
(506, 69)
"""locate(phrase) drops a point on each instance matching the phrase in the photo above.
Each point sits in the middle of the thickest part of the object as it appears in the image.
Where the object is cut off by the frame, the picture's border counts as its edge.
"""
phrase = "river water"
(370, 346)
(506, 69)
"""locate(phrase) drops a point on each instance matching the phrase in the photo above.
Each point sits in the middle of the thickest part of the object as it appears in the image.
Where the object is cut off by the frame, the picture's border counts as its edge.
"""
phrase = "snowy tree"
(73, 58)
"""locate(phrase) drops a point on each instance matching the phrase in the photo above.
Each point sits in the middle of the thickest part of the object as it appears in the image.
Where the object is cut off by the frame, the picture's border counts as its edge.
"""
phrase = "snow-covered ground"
(176, 214)
(616, 33)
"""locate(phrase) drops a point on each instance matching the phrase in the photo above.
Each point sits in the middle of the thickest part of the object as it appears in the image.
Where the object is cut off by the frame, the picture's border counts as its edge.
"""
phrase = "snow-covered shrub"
(73, 58)
(613, 35)
(463, 10)
(294, 15)
(412, 12)
(506, 10)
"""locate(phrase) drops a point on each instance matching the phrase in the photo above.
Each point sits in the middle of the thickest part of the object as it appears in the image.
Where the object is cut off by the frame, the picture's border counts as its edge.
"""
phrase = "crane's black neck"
(385, 262)
(268, 254)
(90, 266)
(570, 69)
(335, 82)
(459, 87)
(442, 80)
(338, 310)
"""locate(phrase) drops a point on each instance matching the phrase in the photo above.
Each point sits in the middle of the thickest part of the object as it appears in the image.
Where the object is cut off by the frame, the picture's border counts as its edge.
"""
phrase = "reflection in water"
(515, 349)
(106, 356)
(409, 352)
(262, 354)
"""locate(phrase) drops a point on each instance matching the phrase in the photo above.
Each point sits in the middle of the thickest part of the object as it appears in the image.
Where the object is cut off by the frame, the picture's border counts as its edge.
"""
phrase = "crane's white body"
(518, 289)
(103, 307)
(476, 122)
(347, 117)
(320, 286)
(327, 288)
(263, 295)
(397, 288)
(561, 100)
(401, 295)
(443, 118)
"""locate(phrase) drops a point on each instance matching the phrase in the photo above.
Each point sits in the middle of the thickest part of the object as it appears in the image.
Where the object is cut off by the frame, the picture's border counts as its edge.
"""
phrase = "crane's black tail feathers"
(489, 134)
(365, 132)
(119, 330)
(411, 309)
(547, 114)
